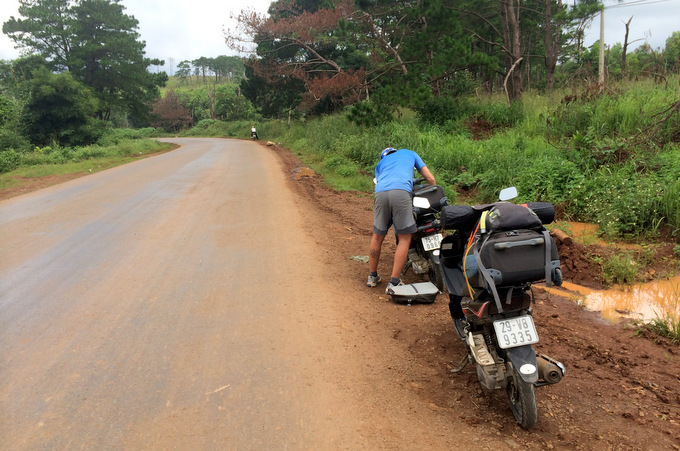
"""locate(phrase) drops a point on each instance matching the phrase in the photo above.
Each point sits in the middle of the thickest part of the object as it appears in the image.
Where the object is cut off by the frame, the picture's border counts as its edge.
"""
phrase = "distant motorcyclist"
(253, 133)
(393, 206)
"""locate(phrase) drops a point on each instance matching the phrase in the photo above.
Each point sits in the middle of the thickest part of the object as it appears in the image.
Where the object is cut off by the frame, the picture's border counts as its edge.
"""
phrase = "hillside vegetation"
(611, 158)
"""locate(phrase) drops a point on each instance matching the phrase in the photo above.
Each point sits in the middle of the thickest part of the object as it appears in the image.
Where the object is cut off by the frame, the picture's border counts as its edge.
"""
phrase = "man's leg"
(400, 255)
(374, 252)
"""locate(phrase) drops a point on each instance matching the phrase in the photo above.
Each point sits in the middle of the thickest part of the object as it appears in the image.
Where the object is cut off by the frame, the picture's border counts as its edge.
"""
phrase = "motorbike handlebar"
(435, 225)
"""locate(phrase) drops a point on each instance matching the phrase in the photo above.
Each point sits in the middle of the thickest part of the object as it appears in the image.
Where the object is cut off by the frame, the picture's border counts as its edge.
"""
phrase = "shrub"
(499, 115)
(619, 269)
(9, 160)
(445, 110)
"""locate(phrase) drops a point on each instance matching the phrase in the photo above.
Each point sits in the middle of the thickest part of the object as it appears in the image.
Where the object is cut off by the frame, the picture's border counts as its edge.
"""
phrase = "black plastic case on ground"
(414, 293)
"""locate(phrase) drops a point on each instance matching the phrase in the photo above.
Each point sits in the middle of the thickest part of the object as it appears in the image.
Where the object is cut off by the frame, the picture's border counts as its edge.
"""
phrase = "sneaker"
(373, 281)
(390, 286)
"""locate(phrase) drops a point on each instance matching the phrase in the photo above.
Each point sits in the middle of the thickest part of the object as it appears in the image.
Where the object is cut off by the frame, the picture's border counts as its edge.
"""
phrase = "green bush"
(445, 110)
(369, 114)
(499, 115)
(9, 160)
(10, 139)
(113, 136)
(60, 155)
(619, 269)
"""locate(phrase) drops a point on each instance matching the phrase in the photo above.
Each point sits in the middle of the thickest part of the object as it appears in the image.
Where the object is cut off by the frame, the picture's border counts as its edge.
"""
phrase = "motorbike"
(423, 253)
(488, 275)
(253, 135)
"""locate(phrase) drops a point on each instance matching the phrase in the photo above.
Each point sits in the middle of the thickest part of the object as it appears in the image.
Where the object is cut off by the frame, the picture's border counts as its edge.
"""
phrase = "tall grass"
(667, 325)
(588, 155)
(65, 160)
(114, 143)
(602, 158)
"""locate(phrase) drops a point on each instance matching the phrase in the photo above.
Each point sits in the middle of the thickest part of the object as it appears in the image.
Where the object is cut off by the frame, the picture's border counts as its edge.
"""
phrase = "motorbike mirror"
(421, 202)
(508, 193)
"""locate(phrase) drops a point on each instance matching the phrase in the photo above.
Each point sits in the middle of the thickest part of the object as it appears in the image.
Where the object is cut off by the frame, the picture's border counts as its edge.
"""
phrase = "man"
(393, 205)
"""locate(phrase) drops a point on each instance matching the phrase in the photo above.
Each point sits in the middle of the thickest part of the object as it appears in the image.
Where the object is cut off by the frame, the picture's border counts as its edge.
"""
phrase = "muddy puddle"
(298, 173)
(644, 301)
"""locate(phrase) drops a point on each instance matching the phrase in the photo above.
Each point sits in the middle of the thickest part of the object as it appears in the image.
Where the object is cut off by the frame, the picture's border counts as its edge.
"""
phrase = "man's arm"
(428, 175)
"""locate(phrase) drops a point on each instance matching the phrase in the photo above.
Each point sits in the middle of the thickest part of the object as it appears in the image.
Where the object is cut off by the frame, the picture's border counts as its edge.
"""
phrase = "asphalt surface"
(157, 305)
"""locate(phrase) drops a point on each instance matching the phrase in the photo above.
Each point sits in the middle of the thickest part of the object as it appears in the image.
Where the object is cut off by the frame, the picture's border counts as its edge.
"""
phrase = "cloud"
(178, 29)
(189, 29)
(654, 21)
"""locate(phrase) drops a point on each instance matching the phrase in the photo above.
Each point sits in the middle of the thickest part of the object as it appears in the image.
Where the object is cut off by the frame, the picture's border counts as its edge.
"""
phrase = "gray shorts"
(393, 207)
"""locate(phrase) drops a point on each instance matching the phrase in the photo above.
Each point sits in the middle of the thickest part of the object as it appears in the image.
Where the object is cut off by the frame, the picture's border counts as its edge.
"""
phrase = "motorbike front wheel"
(522, 397)
(436, 276)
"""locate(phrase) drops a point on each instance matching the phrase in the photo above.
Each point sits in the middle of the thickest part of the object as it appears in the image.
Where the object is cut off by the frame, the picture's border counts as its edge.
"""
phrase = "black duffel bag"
(459, 217)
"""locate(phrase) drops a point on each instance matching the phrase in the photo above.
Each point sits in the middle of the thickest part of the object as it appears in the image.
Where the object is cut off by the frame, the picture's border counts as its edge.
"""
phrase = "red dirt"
(620, 390)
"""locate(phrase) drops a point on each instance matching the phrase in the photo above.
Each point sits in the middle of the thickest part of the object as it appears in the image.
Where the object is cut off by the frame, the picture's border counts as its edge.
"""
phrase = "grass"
(585, 156)
(667, 326)
(86, 160)
(620, 269)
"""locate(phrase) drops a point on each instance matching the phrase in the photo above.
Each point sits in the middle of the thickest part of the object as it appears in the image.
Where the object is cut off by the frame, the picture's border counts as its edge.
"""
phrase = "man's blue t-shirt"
(395, 171)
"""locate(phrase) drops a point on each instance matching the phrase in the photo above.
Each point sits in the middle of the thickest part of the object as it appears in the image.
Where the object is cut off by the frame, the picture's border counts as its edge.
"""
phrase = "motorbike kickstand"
(407, 266)
(463, 364)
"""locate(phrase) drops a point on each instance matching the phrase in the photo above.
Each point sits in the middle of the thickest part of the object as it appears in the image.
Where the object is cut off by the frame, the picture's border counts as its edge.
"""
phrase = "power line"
(635, 3)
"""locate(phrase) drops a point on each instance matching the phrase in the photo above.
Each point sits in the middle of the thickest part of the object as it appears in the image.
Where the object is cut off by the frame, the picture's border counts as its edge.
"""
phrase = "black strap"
(485, 273)
(548, 258)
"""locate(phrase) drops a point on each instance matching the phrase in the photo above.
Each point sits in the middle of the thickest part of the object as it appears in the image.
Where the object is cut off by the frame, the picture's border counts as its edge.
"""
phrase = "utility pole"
(601, 65)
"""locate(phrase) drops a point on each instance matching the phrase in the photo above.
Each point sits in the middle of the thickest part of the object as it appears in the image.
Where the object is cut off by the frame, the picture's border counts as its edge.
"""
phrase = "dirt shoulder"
(621, 390)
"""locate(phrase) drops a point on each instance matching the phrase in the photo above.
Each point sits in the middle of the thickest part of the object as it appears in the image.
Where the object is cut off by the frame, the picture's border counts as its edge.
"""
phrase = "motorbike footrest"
(479, 350)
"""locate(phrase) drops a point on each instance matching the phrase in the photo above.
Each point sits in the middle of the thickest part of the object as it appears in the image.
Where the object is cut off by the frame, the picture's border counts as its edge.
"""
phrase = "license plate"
(515, 332)
(432, 242)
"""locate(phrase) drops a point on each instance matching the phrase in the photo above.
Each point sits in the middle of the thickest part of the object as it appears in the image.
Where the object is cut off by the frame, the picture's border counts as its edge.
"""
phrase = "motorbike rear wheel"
(522, 397)
(436, 276)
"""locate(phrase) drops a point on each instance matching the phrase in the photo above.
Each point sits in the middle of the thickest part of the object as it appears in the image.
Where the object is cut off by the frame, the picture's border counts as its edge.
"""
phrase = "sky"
(177, 29)
(653, 22)
(188, 29)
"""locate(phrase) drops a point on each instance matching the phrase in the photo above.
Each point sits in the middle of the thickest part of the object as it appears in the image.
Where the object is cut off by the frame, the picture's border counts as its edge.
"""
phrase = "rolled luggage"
(459, 217)
(544, 210)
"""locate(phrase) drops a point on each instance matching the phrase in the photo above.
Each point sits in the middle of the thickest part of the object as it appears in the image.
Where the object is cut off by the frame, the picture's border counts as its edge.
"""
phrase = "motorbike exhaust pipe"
(551, 371)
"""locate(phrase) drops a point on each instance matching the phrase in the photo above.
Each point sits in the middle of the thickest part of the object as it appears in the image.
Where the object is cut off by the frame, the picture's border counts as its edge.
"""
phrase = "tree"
(60, 110)
(554, 17)
(184, 71)
(202, 66)
(229, 105)
(512, 47)
(300, 40)
(169, 114)
(408, 53)
(649, 60)
(274, 95)
(97, 43)
(46, 30)
(671, 53)
(422, 45)
(231, 67)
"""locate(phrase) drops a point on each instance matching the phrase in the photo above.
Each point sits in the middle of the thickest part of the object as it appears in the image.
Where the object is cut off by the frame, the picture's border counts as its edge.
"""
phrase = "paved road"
(158, 305)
